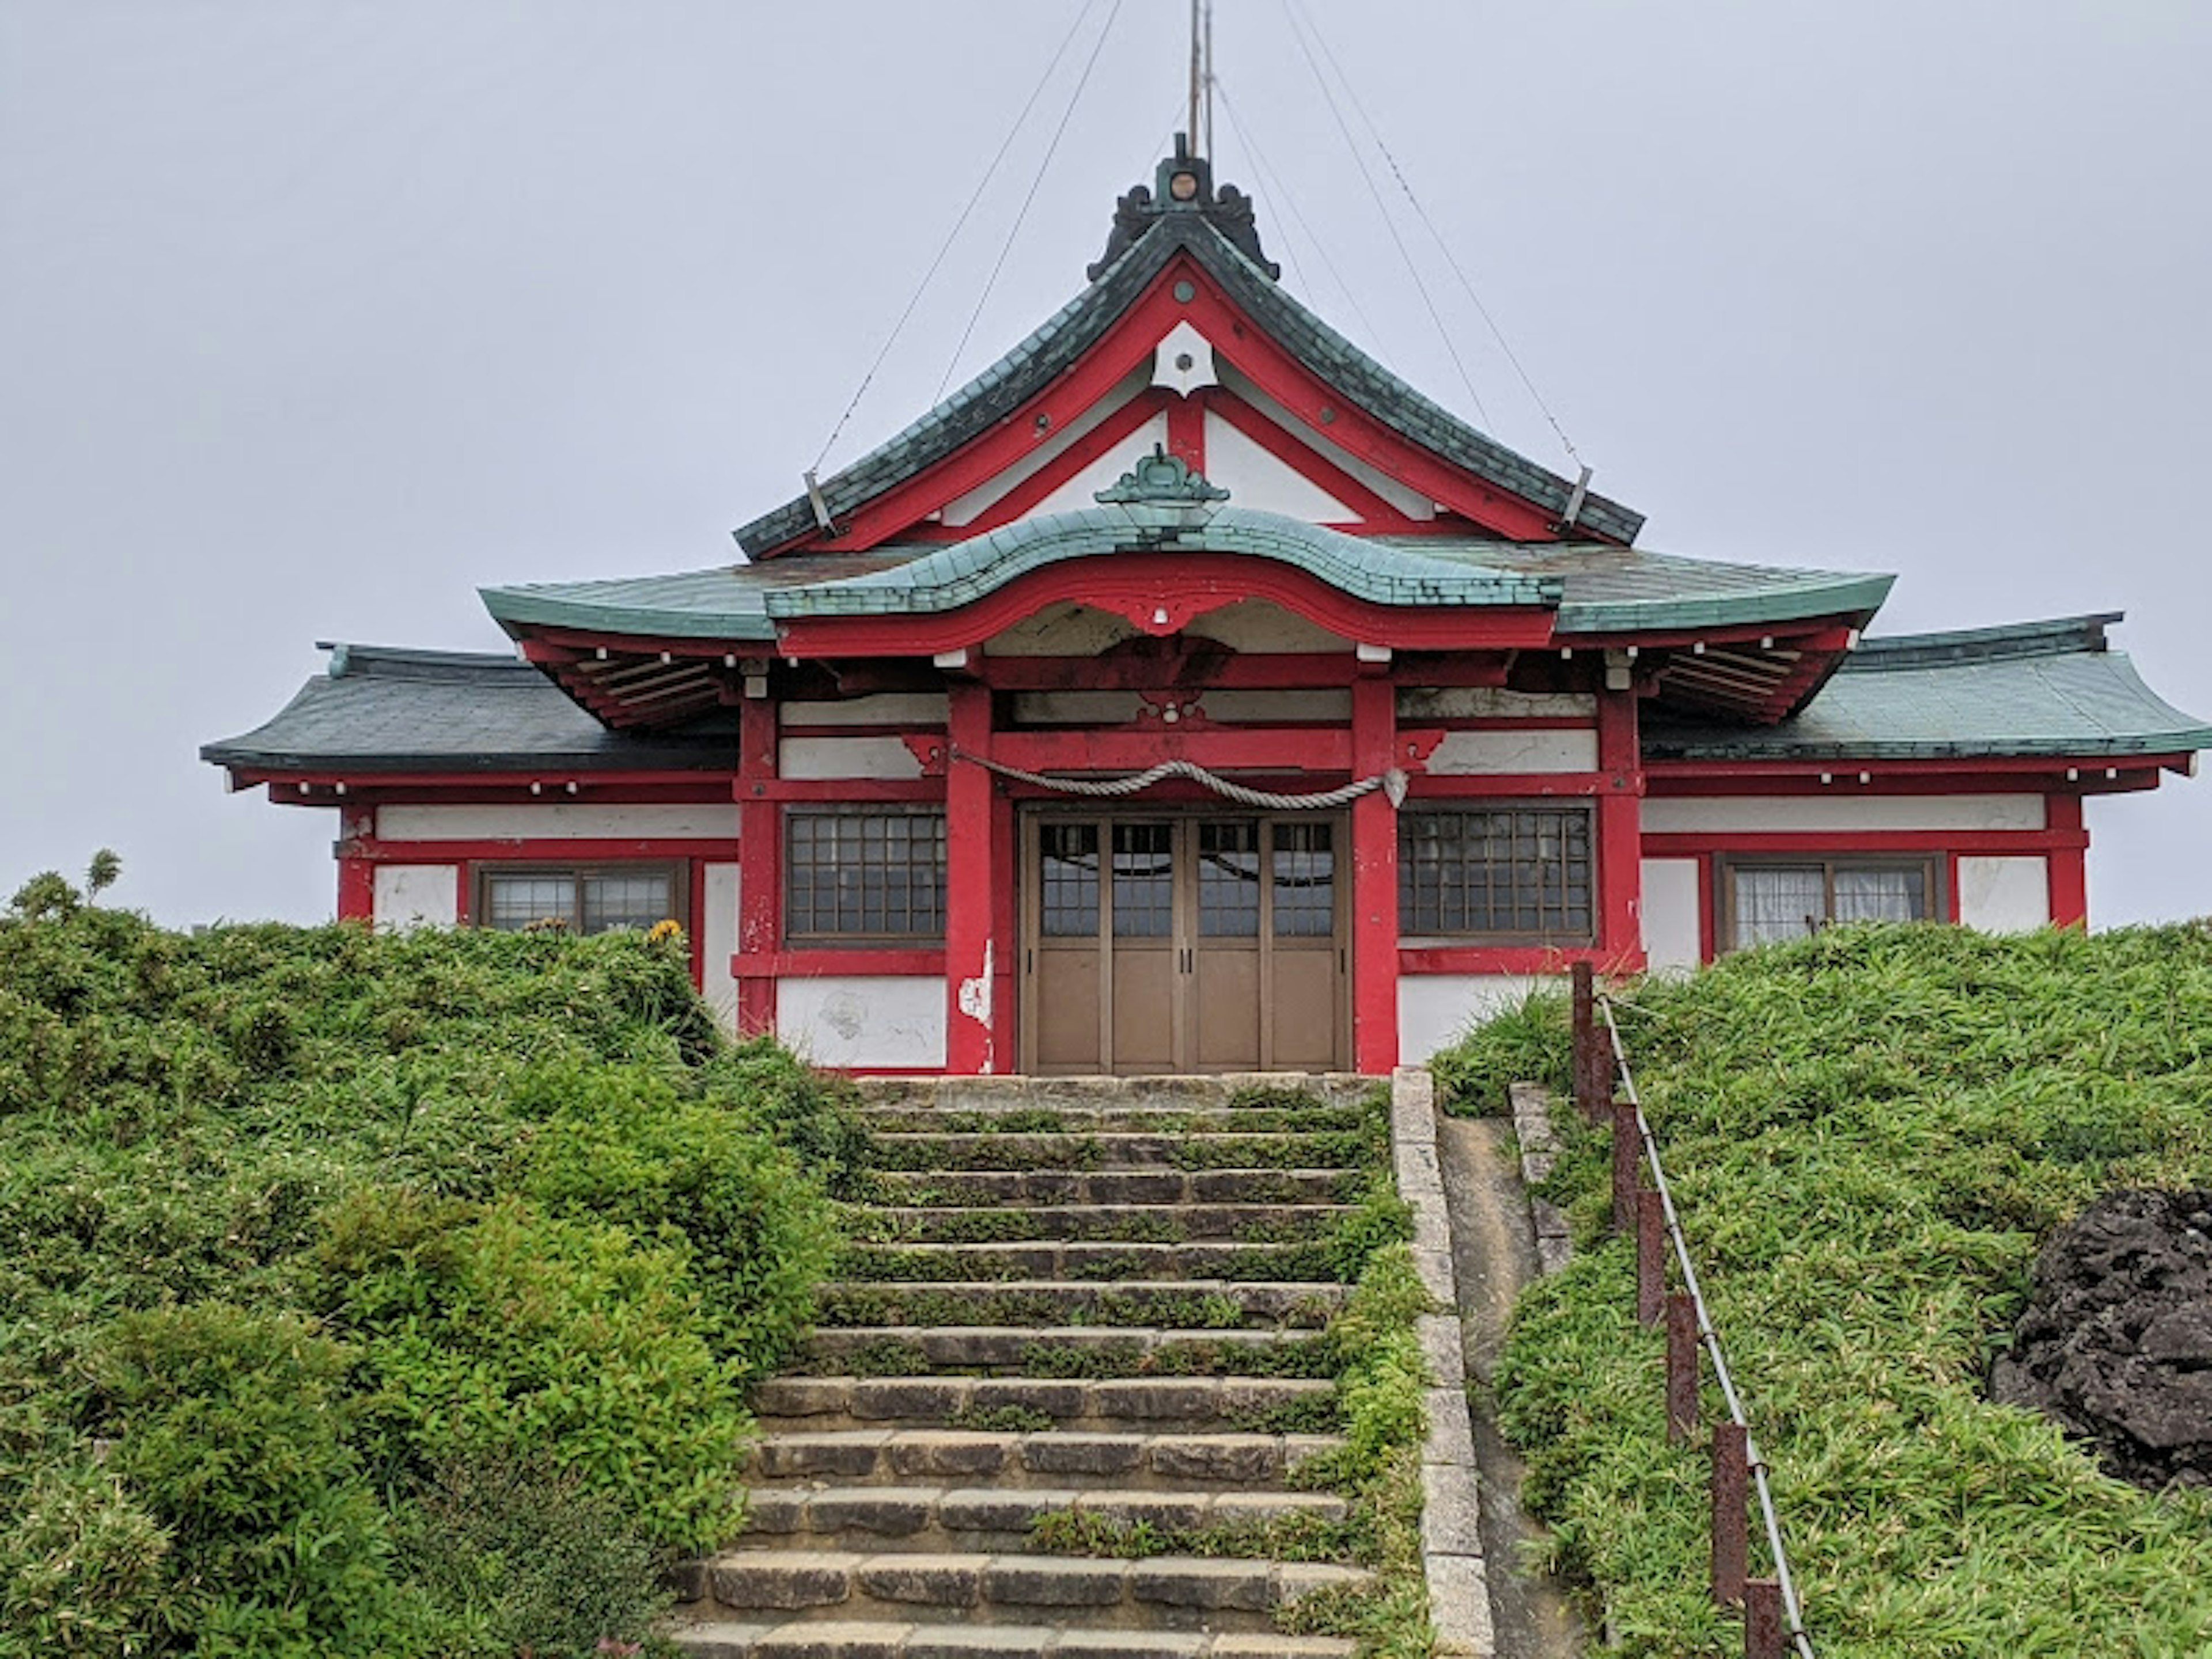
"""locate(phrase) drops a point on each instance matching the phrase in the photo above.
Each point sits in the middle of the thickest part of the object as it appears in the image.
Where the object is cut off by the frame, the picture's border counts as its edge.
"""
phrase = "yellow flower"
(664, 931)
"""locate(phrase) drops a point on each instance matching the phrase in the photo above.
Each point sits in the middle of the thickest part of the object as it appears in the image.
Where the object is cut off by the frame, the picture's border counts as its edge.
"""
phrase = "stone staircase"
(1059, 1391)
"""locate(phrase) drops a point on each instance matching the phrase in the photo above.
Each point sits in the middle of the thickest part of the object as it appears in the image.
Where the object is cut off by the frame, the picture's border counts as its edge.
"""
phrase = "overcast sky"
(316, 316)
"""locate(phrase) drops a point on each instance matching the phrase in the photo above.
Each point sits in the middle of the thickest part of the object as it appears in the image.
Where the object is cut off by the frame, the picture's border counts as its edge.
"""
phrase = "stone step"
(1094, 1261)
(1116, 1149)
(824, 1638)
(889, 1456)
(1050, 1350)
(1235, 1402)
(1104, 1223)
(995, 1518)
(993, 1188)
(1191, 1303)
(1144, 1118)
(1167, 1590)
(1059, 1093)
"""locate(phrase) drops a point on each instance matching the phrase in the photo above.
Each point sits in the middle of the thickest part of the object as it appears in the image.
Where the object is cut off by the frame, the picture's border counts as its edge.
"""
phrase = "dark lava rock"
(2116, 1345)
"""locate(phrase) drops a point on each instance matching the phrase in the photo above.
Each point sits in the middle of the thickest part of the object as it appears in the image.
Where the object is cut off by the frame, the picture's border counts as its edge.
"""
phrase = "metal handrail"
(1791, 1610)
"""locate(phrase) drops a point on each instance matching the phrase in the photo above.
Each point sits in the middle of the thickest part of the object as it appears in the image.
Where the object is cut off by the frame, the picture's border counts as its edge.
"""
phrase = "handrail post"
(1731, 1540)
(1681, 1367)
(1762, 1619)
(1627, 1144)
(1587, 1061)
(1651, 1263)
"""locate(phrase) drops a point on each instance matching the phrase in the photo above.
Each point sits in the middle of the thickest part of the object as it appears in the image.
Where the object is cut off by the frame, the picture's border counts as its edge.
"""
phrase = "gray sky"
(315, 316)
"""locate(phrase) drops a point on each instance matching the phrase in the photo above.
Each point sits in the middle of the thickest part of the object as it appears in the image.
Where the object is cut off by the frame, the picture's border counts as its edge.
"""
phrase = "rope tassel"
(1392, 783)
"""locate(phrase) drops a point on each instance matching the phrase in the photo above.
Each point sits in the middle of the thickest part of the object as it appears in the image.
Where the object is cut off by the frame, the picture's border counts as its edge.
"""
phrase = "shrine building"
(1187, 692)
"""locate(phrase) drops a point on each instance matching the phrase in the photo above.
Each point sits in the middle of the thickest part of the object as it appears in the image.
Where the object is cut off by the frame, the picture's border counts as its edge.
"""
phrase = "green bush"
(1870, 1134)
(502, 1332)
(232, 1427)
(519, 1557)
(620, 1145)
(315, 1226)
(1525, 1042)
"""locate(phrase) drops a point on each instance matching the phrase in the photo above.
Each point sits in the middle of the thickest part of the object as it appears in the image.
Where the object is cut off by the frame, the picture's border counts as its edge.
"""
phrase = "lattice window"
(1144, 880)
(864, 875)
(1305, 880)
(582, 900)
(1502, 872)
(1229, 880)
(1068, 856)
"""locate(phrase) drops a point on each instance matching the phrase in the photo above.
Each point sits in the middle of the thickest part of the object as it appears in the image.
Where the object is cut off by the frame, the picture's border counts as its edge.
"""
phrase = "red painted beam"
(1619, 833)
(356, 888)
(1372, 513)
(1812, 842)
(1217, 748)
(1025, 496)
(895, 962)
(1162, 594)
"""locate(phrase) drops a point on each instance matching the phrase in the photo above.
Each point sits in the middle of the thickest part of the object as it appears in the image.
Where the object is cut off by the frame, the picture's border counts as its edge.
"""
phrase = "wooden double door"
(1184, 942)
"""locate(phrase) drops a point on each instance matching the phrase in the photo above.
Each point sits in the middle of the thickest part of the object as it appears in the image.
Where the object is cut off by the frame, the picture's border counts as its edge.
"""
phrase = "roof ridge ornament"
(1183, 183)
(1160, 479)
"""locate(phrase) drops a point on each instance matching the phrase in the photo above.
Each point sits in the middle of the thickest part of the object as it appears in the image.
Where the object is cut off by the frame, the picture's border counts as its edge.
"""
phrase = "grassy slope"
(1870, 1132)
(498, 1207)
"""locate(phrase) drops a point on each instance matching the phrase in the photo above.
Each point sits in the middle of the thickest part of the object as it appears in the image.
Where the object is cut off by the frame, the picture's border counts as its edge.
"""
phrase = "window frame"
(799, 939)
(1411, 937)
(483, 874)
(1934, 868)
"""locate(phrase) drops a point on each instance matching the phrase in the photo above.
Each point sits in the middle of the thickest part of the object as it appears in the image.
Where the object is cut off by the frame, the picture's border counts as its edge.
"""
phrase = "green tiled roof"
(1626, 590)
(1596, 588)
(2036, 689)
(1069, 332)
(947, 577)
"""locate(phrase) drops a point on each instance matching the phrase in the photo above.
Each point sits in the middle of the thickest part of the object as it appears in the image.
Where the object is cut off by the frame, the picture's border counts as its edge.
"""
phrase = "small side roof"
(2045, 689)
(379, 708)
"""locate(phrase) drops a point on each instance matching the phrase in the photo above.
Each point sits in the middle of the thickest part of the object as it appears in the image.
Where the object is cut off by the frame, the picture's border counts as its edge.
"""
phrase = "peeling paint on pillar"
(973, 1002)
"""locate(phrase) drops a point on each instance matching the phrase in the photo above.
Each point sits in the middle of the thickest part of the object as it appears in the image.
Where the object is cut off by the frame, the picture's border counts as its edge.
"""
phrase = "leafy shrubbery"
(385, 1295)
(1869, 1134)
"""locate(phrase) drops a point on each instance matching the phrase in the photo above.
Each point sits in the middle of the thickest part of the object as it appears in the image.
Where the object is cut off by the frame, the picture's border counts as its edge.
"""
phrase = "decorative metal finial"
(1160, 480)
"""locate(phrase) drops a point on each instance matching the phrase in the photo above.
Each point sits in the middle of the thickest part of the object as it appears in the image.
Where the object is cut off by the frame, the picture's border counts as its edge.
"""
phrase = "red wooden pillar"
(973, 878)
(2069, 874)
(356, 888)
(760, 868)
(1373, 881)
(1619, 833)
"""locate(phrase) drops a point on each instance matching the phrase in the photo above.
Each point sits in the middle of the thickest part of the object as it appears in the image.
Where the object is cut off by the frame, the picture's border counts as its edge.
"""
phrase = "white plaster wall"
(1490, 703)
(1547, 749)
(1259, 628)
(1674, 814)
(1436, 1010)
(1062, 630)
(885, 708)
(863, 1020)
(1670, 912)
(1081, 490)
(561, 821)
(1407, 501)
(417, 894)
(845, 758)
(1255, 478)
(2004, 895)
(718, 942)
(1333, 705)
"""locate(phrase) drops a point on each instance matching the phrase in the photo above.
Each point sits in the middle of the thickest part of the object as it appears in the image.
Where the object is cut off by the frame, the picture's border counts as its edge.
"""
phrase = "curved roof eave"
(952, 576)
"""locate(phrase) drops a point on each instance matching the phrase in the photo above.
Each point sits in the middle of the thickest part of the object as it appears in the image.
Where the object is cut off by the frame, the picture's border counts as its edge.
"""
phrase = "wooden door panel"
(1066, 1011)
(1145, 986)
(1309, 994)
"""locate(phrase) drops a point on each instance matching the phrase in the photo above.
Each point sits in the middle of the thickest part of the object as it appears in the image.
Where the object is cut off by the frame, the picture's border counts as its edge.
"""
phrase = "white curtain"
(1877, 895)
(1778, 902)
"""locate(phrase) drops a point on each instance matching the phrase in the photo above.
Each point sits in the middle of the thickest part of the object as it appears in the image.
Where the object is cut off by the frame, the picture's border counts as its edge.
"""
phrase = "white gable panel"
(1081, 490)
(966, 509)
(1407, 501)
(1255, 478)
